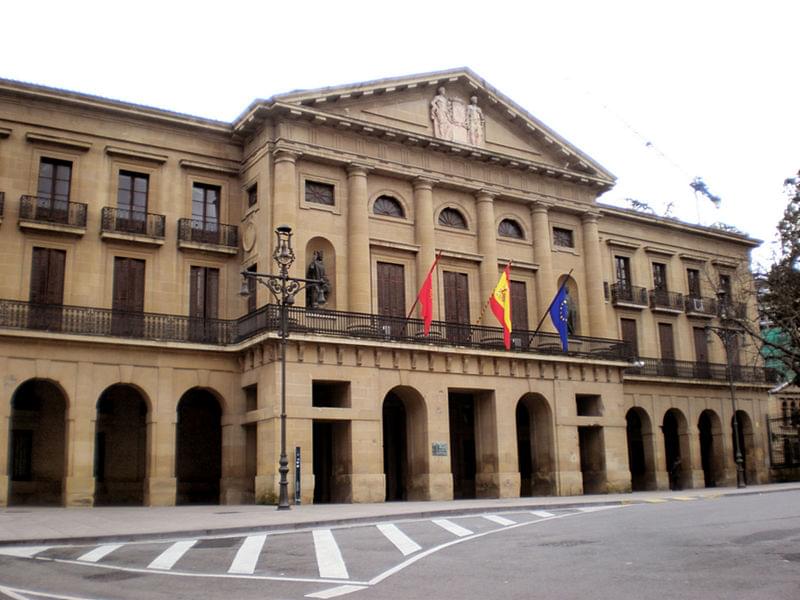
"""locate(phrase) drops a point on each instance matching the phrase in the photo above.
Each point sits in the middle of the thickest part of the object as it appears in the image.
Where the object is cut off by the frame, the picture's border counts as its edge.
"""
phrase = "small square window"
(319, 193)
(252, 195)
(563, 237)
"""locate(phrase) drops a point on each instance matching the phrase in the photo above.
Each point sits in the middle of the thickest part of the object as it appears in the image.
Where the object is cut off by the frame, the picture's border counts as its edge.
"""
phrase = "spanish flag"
(501, 304)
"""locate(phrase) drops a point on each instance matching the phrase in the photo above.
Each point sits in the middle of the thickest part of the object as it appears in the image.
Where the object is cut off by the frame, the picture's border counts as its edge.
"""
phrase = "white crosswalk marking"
(167, 559)
(337, 591)
(452, 527)
(587, 509)
(23, 551)
(329, 558)
(246, 558)
(498, 519)
(543, 514)
(404, 543)
(99, 552)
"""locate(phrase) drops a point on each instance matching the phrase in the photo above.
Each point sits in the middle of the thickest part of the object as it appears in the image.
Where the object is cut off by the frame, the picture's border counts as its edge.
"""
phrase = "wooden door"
(456, 306)
(128, 296)
(203, 304)
(701, 351)
(519, 315)
(391, 297)
(629, 335)
(46, 288)
(667, 344)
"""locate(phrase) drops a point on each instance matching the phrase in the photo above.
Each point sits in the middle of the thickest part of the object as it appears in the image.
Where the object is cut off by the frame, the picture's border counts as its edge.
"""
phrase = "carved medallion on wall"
(248, 234)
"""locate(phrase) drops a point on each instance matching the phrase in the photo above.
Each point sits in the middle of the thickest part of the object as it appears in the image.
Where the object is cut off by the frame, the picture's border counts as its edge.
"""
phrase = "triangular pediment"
(492, 123)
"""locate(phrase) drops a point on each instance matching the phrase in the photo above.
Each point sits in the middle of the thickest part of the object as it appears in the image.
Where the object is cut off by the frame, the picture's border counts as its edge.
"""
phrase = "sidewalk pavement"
(38, 525)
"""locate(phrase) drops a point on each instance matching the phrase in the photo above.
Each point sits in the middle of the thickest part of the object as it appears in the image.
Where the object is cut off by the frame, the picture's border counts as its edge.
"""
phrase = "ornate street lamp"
(728, 335)
(284, 289)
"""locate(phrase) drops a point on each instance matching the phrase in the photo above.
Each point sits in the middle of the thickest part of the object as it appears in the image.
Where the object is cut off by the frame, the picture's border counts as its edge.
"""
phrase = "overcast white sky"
(712, 85)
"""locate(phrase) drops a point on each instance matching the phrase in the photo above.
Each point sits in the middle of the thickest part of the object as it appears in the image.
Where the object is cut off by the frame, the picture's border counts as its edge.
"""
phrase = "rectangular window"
(392, 296)
(667, 344)
(52, 192)
(623, 267)
(205, 203)
(320, 193)
(252, 298)
(629, 335)
(132, 191)
(660, 277)
(252, 195)
(725, 285)
(128, 297)
(203, 304)
(563, 237)
(456, 306)
(693, 282)
(46, 289)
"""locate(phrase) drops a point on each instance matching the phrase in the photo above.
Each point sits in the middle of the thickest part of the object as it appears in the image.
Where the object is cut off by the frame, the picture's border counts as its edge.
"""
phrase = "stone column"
(79, 480)
(618, 472)
(285, 197)
(595, 297)
(424, 233)
(542, 254)
(6, 394)
(359, 275)
(487, 246)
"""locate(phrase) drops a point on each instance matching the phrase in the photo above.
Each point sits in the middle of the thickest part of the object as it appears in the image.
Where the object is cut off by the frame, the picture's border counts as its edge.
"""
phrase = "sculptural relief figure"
(476, 123)
(317, 293)
(440, 115)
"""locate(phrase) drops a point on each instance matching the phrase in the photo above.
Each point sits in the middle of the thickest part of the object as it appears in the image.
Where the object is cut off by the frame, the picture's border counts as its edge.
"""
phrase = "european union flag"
(559, 312)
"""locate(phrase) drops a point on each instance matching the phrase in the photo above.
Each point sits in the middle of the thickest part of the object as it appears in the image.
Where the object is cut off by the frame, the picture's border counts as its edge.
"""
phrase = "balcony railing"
(696, 305)
(208, 232)
(735, 310)
(666, 301)
(121, 220)
(628, 294)
(82, 320)
(151, 326)
(682, 369)
(49, 210)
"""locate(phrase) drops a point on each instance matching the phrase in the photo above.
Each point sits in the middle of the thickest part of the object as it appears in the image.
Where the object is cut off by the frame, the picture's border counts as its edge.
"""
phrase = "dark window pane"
(252, 195)
(563, 237)
(510, 228)
(320, 193)
(450, 217)
(387, 206)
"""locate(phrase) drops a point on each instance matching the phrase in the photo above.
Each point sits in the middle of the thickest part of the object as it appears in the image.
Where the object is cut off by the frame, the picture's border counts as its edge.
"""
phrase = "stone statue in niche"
(455, 121)
(317, 293)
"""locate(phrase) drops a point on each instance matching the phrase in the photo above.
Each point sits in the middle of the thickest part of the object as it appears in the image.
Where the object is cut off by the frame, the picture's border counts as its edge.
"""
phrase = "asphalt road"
(728, 547)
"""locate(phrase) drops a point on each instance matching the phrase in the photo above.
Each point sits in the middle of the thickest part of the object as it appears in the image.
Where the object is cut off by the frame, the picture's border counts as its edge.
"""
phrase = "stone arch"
(120, 453)
(574, 321)
(677, 455)
(198, 447)
(37, 443)
(709, 428)
(641, 455)
(535, 446)
(747, 445)
(406, 460)
(329, 260)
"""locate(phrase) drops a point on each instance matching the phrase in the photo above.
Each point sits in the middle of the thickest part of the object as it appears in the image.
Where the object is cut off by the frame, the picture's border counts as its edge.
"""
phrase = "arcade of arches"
(666, 450)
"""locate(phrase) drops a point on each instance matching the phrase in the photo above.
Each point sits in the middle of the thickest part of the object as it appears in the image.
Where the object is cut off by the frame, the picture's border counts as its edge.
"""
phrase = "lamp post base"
(283, 493)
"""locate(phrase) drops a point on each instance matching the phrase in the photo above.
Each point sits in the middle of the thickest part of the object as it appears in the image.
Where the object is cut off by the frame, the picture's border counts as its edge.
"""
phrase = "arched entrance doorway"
(710, 430)
(404, 445)
(120, 447)
(36, 444)
(746, 445)
(535, 453)
(676, 449)
(198, 452)
(640, 450)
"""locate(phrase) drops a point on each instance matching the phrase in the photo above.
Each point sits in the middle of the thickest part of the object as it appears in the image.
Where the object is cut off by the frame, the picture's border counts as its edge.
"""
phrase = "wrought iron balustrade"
(51, 210)
(628, 294)
(700, 306)
(208, 232)
(123, 220)
(662, 299)
(682, 369)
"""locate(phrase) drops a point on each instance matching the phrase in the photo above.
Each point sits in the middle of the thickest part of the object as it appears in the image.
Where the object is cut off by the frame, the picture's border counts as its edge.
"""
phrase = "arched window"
(511, 229)
(388, 207)
(450, 217)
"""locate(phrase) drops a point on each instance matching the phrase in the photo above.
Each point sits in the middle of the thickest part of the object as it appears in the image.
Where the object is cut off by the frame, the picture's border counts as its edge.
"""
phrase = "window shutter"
(212, 293)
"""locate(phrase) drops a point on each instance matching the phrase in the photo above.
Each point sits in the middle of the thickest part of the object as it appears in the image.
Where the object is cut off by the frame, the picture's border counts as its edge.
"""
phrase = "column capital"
(284, 155)
(590, 216)
(358, 169)
(484, 195)
(539, 206)
(423, 183)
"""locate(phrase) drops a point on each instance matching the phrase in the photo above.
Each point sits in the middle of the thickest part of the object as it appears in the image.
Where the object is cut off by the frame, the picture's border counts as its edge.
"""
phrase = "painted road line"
(244, 562)
(329, 558)
(542, 514)
(590, 509)
(684, 498)
(99, 552)
(452, 527)
(403, 543)
(337, 591)
(654, 500)
(23, 551)
(167, 559)
(498, 519)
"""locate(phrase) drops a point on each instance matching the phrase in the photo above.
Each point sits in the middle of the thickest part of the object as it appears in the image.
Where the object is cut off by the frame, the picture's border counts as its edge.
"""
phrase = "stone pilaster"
(285, 197)
(161, 486)
(595, 297)
(359, 276)
(542, 254)
(424, 233)
(487, 246)
(79, 480)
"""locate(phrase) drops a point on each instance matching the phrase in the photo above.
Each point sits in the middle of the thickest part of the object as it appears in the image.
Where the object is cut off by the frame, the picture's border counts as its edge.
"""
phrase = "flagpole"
(416, 300)
(489, 299)
(547, 312)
